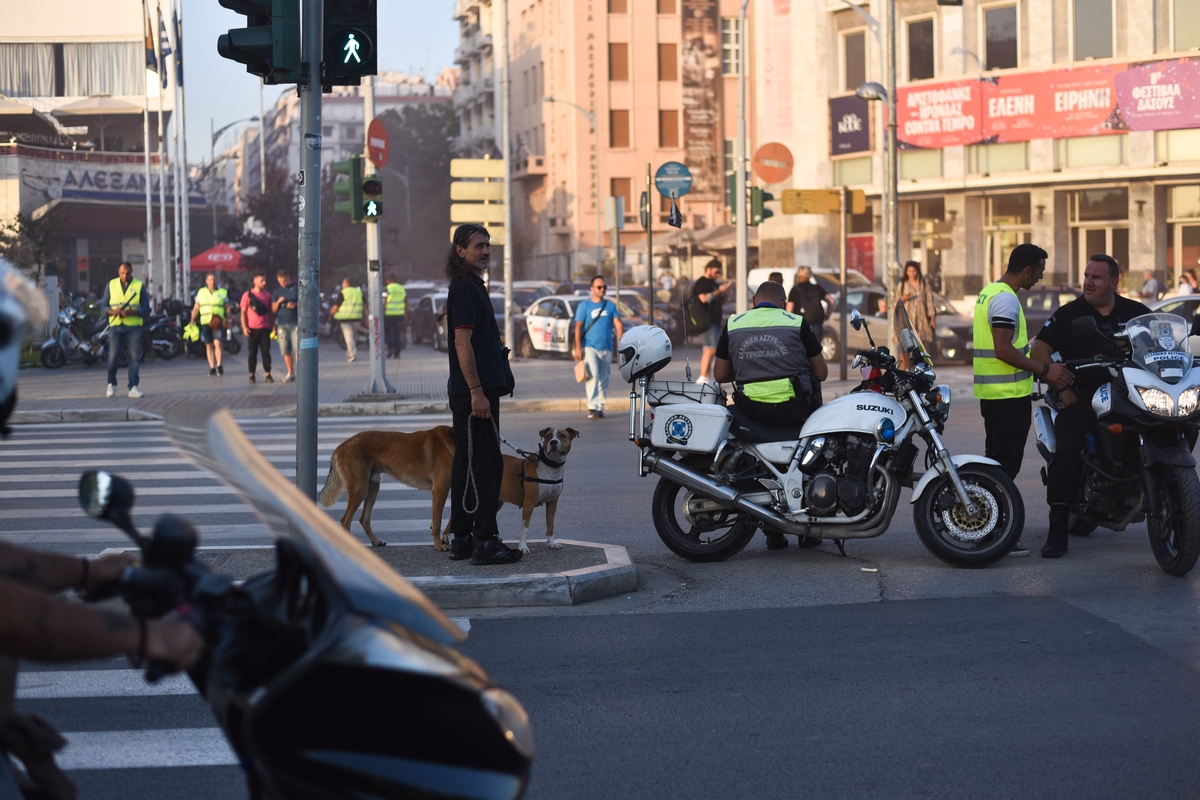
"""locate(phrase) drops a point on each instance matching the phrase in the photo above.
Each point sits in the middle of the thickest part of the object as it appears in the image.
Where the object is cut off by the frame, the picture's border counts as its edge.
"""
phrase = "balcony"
(465, 8)
(526, 166)
(470, 93)
(475, 44)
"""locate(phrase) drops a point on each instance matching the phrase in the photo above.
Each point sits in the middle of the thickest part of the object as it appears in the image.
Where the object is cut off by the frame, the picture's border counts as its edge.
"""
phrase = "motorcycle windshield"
(910, 356)
(1160, 345)
(212, 439)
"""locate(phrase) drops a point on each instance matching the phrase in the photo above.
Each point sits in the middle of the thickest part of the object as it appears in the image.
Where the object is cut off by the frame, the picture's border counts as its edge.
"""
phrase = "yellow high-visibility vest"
(995, 380)
(772, 336)
(351, 306)
(396, 295)
(211, 303)
(125, 297)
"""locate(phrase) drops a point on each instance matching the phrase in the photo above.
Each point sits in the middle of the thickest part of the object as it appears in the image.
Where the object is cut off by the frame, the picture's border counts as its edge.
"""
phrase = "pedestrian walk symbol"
(351, 48)
(371, 209)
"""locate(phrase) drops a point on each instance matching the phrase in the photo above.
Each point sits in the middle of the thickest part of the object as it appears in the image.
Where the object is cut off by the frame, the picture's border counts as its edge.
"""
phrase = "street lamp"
(599, 198)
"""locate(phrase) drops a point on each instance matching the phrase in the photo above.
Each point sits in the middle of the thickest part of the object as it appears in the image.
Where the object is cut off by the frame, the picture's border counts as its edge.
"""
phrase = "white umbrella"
(96, 106)
(18, 118)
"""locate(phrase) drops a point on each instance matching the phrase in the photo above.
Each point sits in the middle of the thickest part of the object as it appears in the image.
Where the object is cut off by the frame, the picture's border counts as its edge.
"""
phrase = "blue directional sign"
(673, 177)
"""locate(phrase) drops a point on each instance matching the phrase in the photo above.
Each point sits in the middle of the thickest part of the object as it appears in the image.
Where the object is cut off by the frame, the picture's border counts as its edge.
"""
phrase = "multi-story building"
(1073, 124)
(660, 79)
(90, 169)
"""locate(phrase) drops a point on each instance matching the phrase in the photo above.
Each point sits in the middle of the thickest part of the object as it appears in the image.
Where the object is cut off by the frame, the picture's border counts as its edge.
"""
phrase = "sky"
(413, 35)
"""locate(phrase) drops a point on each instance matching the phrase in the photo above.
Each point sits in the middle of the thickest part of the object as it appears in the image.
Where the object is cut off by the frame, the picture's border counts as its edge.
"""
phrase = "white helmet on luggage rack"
(644, 350)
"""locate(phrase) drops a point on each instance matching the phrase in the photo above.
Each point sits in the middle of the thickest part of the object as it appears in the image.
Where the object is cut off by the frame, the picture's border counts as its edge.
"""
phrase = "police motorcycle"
(331, 676)
(723, 475)
(1138, 464)
(81, 335)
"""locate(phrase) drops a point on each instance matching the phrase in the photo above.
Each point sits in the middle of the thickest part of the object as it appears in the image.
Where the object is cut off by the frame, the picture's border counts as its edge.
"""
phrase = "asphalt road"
(777, 674)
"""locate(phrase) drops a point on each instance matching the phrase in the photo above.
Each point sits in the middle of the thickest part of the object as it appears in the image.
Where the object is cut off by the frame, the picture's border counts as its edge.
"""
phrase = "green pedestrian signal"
(348, 182)
(757, 212)
(372, 190)
(349, 35)
(270, 44)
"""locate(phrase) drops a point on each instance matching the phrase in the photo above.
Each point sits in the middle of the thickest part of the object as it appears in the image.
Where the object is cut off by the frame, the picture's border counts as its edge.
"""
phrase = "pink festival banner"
(1087, 101)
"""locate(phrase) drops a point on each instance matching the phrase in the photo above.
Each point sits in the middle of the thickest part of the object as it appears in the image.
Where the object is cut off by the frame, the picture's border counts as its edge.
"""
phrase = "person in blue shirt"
(595, 319)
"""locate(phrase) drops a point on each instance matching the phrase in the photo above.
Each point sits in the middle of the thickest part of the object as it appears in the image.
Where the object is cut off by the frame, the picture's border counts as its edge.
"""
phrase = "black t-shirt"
(806, 301)
(812, 347)
(469, 308)
(1057, 330)
(713, 306)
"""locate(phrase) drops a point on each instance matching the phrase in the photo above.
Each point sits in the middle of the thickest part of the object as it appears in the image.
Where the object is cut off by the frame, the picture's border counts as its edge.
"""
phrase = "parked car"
(523, 296)
(422, 320)
(576, 287)
(543, 288)
(1183, 305)
(1040, 303)
(441, 335)
(665, 316)
(952, 338)
(548, 328)
(829, 279)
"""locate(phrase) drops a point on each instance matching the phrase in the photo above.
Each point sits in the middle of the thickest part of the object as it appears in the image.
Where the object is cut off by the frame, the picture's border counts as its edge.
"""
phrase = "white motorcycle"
(722, 475)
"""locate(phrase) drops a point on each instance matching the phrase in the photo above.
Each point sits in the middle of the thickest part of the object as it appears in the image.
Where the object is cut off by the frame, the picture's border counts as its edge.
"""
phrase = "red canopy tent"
(222, 257)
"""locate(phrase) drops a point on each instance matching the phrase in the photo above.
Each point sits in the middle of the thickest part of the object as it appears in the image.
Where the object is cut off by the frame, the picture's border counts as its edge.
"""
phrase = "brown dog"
(422, 460)
(538, 481)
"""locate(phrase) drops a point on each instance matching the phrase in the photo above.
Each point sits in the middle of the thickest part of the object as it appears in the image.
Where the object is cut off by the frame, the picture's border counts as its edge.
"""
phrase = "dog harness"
(554, 487)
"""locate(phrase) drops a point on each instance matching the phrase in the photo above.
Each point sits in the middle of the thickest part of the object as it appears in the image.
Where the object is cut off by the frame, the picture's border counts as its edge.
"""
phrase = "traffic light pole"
(310, 248)
(378, 382)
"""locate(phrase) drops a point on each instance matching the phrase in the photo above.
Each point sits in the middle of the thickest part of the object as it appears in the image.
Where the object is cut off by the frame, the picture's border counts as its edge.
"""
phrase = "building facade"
(1074, 124)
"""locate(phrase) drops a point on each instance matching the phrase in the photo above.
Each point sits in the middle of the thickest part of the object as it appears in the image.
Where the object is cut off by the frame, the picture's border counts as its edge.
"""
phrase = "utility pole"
(310, 247)
(650, 242)
(506, 153)
(892, 257)
(378, 383)
(743, 231)
(262, 144)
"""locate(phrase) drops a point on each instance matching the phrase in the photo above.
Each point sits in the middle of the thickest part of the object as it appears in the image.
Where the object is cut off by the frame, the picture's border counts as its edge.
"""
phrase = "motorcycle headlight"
(943, 401)
(885, 430)
(1188, 402)
(1157, 401)
(510, 715)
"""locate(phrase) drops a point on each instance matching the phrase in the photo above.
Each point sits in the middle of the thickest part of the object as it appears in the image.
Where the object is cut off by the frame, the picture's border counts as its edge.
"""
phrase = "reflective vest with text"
(766, 351)
(396, 295)
(995, 380)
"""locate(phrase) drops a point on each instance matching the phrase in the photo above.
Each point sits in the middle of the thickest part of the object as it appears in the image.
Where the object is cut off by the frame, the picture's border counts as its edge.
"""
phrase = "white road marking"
(195, 513)
(172, 747)
(388, 485)
(463, 623)
(97, 683)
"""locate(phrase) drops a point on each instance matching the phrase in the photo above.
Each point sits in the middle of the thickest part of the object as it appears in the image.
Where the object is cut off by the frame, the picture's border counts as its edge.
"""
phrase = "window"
(618, 6)
(1187, 25)
(986, 159)
(72, 70)
(731, 46)
(623, 187)
(668, 129)
(1174, 147)
(854, 60)
(618, 129)
(1007, 210)
(1000, 33)
(666, 6)
(668, 62)
(618, 62)
(1184, 202)
(917, 164)
(920, 49)
(1101, 205)
(852, 171)
(1093, 29)
(1091, 151)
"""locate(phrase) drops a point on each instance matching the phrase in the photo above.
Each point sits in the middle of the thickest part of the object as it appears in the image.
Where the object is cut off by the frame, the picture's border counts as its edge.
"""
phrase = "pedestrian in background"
(705, 310)
(1003, 369)
(595, 319)
(258, 322)
(1151, 288)
(807, 299)
(126, 305)
(1187, 282)
(915, 291)
(348, 312)
(211, 306)
(394, 306)
(477, 377)
(284, 301)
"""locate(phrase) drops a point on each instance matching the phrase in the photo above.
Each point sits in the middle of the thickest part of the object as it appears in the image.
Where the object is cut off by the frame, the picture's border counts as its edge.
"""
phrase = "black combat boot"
(493, 551)
(1056, 539)
(461, 546)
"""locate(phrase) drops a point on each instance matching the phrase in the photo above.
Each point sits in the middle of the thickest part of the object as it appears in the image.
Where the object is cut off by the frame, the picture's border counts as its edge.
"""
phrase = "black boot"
(776, 540)
(493, 551)
(1056, 539)
(461, 546)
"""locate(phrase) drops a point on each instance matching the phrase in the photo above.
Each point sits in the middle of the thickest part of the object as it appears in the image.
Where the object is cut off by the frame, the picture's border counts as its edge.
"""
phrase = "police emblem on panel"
(1166, 337)
(679, 429)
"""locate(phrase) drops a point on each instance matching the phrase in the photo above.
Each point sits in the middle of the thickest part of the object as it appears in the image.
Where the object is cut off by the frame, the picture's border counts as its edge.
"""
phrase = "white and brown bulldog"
(538, 480)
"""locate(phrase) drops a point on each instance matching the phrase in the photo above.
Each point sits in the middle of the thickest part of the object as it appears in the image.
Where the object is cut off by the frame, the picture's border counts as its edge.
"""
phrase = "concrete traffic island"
(578, 573)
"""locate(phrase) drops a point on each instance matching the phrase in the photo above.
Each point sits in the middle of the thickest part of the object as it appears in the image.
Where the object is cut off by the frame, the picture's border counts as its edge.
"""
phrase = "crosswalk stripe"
(172, 747)
(195, 513)
(97, 683)
(208, 534)
(167, 491)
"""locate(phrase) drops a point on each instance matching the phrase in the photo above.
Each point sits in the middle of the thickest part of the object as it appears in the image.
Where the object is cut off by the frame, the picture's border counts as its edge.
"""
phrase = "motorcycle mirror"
(108, 497)
(908, 341)
(856, 319)
(173, 543)
(1083, 326)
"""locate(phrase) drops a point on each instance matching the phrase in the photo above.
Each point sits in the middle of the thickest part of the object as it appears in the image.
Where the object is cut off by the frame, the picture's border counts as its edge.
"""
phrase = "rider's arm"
(820, 368)
(54, 572)
(722, 364)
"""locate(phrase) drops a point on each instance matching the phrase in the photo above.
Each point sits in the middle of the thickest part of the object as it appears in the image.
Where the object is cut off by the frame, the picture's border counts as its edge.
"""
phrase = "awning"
(19, 118)
(96, 109)
(222, 257)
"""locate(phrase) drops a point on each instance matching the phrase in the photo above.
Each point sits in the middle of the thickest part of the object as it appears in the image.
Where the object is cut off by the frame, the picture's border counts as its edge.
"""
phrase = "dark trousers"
(260, 340)
(393, 333)
(1071, 428)
(1006, 427)
(487, 467)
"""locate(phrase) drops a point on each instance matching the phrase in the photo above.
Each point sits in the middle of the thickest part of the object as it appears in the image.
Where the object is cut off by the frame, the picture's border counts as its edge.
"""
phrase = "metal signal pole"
(378, 382)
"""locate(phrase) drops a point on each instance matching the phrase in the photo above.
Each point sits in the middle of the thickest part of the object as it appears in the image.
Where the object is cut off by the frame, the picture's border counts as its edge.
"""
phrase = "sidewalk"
(76, 393)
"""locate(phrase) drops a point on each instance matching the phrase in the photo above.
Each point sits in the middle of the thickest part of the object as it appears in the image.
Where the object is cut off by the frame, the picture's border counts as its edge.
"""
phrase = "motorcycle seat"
(751, 432)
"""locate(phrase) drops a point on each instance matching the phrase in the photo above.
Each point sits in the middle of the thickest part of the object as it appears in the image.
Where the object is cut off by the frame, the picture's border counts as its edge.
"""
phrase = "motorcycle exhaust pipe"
(724, 496)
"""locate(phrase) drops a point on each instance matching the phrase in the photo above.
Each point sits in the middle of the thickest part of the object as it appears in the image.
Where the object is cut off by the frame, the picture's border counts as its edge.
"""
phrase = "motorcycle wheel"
(172, 347)
(961, 541)
(1174, 524)
(53, 357)
(233, 346)
(703, 536)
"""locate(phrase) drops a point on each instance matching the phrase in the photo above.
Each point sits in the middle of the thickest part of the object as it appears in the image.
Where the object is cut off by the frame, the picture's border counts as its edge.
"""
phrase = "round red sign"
(377, 143)
(773, 163)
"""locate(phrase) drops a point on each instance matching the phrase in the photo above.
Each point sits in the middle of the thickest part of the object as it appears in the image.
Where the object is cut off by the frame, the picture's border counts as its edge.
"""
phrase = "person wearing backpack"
(705, 315)
(595, 319)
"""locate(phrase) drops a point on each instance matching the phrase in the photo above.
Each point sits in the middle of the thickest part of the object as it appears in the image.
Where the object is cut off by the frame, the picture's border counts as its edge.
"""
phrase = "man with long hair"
(477, 378)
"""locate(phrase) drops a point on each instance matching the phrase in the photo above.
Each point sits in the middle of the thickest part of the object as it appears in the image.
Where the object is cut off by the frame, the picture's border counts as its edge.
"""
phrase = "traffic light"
(757, 212)
(372, 190)
(352, 188)
(731, 195)
(350, 37)
(270, 44)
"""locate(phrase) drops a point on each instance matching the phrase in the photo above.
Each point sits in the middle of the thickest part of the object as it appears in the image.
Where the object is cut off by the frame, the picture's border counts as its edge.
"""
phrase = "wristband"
(1045, 370)
(473, 388)
(87, 574)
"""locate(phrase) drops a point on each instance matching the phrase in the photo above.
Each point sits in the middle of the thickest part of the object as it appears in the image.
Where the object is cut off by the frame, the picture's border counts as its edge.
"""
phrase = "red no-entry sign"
(377, 142)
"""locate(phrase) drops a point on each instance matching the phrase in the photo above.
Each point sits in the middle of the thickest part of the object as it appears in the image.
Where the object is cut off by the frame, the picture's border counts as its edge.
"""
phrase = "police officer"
(211, 303)
(393, 316)
(1075, 416)
(1003, 369)
(348, 312)
(127, 305)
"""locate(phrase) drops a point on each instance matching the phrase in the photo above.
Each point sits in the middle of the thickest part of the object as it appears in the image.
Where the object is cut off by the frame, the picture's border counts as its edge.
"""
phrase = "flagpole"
(148, 39)
(177, 241)
(186, 262)
(162, 173)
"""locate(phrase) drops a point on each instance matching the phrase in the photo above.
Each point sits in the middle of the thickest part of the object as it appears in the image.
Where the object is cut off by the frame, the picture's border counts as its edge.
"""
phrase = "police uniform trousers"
(1071, 428)
(1006, 427)
(393, 331)
(487, 466)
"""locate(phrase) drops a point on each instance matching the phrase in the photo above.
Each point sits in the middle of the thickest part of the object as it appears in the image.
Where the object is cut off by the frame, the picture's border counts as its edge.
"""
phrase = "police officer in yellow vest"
(127, 305)
(395, 297)
(1003, 369)
(211, 307)
(348, 312)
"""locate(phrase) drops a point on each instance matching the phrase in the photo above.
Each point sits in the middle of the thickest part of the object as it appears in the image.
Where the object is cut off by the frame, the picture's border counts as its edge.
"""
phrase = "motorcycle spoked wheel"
(232, 346)
(979, 541)
(694, 528)
(53, 357)
(1174, 525)
(172, 346)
